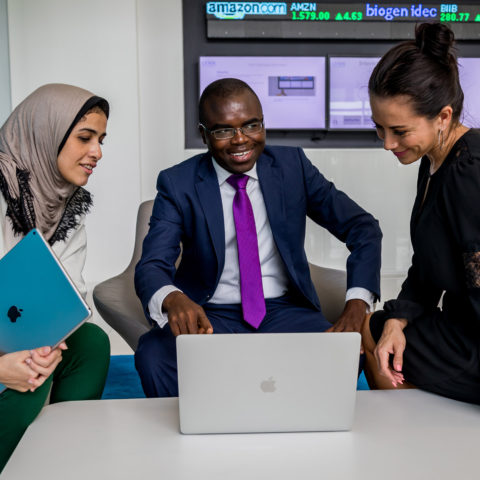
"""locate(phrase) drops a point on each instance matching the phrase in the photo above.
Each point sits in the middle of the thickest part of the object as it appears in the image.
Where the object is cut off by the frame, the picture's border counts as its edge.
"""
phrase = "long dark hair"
(424, 69)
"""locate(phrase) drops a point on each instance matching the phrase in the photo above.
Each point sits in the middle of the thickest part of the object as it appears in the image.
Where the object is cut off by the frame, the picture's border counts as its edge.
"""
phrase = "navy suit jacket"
(188, 211)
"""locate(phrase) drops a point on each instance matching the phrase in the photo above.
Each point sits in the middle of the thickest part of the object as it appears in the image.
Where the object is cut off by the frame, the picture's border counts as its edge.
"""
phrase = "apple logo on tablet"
(268, 386)
(13, 313)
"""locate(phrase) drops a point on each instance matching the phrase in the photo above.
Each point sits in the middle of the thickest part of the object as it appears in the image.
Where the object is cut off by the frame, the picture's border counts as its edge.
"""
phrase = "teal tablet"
(39, 304)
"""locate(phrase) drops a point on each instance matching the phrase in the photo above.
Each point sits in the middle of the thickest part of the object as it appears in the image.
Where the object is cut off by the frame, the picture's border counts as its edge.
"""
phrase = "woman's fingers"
(398, 358)
(46, 365)
(383, 357)
(43, 359)
(15, 372)
(392, 342)
(41, 374)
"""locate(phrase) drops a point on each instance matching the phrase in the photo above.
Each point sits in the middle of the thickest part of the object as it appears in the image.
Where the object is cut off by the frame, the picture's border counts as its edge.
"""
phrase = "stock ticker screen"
(336, 20)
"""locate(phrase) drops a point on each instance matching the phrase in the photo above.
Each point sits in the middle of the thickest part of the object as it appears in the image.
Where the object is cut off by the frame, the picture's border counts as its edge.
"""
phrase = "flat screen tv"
(291, 89)
(348, 103)
(469, 69)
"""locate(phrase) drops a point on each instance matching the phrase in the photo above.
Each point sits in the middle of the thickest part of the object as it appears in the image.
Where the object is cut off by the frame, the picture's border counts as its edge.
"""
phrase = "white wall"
(91, 44)
(131, 52)
(379, 183)
(160, 70)
(5, 103)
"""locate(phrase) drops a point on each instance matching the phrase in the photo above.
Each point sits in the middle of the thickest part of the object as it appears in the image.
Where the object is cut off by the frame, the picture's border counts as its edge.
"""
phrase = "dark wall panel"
(196, 44)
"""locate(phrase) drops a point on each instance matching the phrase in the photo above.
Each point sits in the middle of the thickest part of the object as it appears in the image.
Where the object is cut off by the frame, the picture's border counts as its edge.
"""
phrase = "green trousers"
(79, 376)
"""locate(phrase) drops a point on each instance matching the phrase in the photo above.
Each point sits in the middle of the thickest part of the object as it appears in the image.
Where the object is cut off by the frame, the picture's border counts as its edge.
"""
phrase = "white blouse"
(71, 252)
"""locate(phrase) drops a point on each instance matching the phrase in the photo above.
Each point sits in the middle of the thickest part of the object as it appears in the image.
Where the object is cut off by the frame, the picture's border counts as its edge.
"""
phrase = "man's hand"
(352, 318)
(185, 316)
(392, 342)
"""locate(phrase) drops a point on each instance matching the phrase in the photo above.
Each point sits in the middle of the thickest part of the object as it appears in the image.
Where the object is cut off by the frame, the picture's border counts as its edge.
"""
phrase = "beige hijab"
(29, 143)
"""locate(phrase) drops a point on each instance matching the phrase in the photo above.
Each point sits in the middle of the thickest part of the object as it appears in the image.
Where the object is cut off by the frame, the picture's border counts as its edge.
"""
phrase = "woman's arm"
(461, 197)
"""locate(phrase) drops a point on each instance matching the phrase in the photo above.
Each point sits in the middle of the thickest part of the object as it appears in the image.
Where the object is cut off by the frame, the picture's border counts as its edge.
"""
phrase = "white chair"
(115, 298)
(119, 306)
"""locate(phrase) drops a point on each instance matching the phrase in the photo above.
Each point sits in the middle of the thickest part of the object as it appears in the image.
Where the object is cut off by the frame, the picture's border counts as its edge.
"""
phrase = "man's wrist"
(359, 293)
(357, 303)
(171, 297)
(155, 305)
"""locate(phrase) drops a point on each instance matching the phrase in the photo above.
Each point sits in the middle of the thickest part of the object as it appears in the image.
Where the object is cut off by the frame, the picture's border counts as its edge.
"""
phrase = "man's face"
(239, 153)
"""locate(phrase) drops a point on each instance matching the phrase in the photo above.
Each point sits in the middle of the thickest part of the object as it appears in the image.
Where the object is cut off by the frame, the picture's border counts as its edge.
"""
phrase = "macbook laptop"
(39, 304)
(279, 382)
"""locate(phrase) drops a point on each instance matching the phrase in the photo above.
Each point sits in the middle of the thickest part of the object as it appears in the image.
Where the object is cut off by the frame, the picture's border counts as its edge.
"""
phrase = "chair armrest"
(330, 285)
(119, 306)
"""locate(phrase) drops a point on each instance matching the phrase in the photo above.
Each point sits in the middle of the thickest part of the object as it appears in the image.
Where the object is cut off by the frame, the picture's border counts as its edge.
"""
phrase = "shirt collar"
(223, 174)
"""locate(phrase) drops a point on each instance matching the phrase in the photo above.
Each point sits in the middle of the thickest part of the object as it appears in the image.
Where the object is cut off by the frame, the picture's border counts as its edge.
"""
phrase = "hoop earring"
(441, 140)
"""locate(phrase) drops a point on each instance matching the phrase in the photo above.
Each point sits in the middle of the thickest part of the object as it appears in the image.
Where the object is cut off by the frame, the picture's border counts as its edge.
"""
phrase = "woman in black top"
(422, 339)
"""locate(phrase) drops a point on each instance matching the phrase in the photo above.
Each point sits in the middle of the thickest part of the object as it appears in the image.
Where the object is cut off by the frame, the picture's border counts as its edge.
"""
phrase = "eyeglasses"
(226, 133)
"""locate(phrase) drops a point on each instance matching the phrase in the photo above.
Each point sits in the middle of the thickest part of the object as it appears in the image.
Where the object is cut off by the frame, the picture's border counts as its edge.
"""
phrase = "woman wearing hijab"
(49, 147)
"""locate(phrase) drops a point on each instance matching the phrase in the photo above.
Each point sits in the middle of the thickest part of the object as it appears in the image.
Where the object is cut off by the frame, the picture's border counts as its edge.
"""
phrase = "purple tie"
(253, 302)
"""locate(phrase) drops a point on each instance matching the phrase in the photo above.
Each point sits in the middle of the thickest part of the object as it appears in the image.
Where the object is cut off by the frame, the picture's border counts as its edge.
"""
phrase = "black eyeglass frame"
(233, 130)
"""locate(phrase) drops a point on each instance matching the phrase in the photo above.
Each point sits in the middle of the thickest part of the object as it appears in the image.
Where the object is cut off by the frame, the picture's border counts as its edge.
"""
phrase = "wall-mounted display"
(348, 101)
(291, 89)
(469, 70)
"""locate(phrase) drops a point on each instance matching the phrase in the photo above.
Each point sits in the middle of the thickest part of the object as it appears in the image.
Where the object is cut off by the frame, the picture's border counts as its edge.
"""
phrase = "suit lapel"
(208, 193)
(274, 190)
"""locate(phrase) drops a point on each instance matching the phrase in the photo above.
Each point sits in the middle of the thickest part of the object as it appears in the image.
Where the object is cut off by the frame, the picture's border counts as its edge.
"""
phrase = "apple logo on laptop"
(13, 313)
(268, 386)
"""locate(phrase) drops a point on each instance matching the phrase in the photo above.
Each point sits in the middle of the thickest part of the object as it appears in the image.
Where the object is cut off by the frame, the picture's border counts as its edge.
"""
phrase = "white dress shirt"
(274, 276)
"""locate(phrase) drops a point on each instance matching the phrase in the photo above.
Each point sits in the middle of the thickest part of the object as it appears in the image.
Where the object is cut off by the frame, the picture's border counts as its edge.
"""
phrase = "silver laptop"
(39, 304)
(270, 382)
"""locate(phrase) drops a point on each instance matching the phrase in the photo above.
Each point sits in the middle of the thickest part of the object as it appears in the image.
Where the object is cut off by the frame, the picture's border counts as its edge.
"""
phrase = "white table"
(404, 435)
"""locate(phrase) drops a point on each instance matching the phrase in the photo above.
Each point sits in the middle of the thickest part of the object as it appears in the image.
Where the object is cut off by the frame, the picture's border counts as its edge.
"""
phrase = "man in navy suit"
(193, 211)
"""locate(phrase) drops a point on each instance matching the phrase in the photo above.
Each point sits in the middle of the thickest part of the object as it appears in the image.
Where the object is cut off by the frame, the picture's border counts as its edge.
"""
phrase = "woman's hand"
(43, 362)
(28, 369)
(392, 342)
